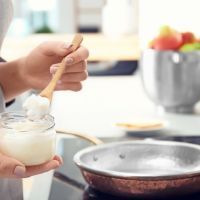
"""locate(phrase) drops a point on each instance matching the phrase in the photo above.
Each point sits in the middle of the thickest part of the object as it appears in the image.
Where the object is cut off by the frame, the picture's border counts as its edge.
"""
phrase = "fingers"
(52, 48)
(38, 169)
(11, 168)
(59, 159)
(71, 81)
(75, 71)
(69, 86)
(79, 67)
(77, 56)
(61, 49)
(72, 77)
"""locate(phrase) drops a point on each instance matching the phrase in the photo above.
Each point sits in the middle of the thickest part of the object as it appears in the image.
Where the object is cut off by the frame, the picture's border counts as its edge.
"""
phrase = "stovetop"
(68, 183)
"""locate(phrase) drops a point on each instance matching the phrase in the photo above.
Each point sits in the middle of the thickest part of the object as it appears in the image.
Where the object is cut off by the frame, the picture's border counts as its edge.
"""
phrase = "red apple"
(188, 37)
(168, 39)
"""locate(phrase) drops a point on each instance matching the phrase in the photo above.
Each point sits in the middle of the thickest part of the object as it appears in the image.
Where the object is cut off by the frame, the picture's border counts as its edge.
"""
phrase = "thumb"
(11, 168)
(54, 48)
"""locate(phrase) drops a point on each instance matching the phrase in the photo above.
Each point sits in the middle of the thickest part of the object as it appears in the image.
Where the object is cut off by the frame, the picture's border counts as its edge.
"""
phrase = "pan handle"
(89, 138)
(69, 181)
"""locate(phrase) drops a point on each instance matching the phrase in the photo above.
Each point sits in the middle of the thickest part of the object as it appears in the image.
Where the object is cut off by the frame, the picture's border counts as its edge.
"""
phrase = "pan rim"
(132, 176)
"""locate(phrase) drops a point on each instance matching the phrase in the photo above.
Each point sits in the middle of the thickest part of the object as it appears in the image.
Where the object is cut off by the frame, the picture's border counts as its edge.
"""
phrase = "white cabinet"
(89, 13)
(63, 17)
(68, 15)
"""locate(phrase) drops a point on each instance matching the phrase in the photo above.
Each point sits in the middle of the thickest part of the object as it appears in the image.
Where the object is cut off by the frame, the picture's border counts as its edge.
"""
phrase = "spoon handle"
(84, 136)
(48, 91)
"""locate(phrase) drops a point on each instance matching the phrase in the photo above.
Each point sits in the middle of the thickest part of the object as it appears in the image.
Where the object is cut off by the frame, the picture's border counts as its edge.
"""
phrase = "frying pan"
(140, 168)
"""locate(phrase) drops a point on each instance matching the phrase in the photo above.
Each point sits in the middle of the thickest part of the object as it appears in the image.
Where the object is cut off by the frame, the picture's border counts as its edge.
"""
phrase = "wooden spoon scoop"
(48, 91)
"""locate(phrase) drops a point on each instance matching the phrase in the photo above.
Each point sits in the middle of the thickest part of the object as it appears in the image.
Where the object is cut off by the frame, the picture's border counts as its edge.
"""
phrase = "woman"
(33, 71)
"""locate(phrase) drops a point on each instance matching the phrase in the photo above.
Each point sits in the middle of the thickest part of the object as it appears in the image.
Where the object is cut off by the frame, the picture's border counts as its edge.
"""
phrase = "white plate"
(151, 131)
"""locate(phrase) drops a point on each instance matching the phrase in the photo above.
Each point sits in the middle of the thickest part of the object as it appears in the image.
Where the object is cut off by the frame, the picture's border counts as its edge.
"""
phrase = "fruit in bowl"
(190, 47)
(171, 39)
(188, 37)
(167, 38)
(170, 70)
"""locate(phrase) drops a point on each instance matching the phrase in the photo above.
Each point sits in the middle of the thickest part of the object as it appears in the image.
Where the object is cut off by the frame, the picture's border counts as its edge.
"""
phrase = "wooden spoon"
(48, 91)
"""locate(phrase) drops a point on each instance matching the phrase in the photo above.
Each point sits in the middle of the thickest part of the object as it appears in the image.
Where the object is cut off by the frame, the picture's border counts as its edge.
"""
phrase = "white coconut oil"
(36, 106)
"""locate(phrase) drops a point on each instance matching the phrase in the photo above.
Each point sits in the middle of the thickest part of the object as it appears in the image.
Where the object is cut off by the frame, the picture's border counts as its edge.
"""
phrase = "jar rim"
(19, 116)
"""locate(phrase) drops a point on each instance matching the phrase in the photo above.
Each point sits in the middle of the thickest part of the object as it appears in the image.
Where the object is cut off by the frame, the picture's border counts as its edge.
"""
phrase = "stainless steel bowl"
(171, 79)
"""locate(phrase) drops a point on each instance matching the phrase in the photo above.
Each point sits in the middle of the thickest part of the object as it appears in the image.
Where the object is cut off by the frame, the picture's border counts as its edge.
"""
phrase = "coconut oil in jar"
(30, 141)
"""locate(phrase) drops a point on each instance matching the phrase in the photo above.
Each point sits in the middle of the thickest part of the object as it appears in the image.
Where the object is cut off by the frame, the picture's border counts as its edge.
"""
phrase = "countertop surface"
(105, 101)
(102, 48)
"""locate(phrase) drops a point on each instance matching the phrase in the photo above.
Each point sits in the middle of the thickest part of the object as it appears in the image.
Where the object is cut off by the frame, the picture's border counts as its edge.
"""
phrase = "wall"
(67, 15)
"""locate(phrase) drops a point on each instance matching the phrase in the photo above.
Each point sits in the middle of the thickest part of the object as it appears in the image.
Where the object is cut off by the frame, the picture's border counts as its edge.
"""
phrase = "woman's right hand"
(12, 168)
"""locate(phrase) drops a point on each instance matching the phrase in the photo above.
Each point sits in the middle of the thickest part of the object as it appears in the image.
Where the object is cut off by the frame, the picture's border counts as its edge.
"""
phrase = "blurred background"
(100, 18)
(116, 32)
(70, 16)
(118, 25)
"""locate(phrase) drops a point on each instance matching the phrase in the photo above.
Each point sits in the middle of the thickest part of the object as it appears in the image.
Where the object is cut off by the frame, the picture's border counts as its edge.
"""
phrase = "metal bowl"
(171, 79)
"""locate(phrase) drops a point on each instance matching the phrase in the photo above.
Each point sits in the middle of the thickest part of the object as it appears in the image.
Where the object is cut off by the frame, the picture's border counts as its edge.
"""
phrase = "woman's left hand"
(37, 68)
(12, 168)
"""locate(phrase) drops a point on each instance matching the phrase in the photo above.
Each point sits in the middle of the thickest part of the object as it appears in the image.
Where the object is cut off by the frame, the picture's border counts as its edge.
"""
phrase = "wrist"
(11, 79)
(21, 66)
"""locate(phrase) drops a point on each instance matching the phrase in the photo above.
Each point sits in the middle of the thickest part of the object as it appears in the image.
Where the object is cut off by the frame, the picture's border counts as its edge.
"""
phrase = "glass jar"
(31, 142)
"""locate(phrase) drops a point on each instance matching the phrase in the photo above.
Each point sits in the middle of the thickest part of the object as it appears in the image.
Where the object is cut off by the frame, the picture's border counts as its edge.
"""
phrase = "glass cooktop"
(68, 183)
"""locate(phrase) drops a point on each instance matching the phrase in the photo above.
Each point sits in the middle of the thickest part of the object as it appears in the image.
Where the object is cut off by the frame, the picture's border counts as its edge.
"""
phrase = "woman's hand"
(37, 68)
(12, 168)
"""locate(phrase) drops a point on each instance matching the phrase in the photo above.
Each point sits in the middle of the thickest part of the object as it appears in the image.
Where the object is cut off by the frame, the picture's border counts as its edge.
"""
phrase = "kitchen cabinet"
(89, 13)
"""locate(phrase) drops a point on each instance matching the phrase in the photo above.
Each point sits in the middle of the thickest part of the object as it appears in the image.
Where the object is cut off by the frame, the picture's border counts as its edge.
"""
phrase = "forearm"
(10, 79)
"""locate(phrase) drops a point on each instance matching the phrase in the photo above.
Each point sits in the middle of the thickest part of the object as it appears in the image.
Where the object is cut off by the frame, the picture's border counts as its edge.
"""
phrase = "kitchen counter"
(101, 48)
(103, 102)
